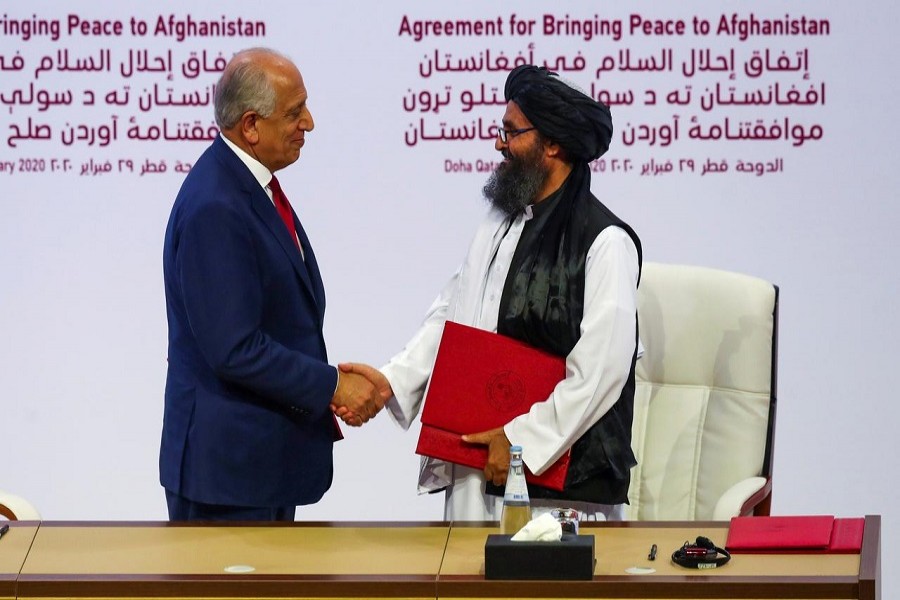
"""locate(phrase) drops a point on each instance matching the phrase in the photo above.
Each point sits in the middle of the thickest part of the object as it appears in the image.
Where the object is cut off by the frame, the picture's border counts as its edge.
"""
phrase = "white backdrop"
(770, 155)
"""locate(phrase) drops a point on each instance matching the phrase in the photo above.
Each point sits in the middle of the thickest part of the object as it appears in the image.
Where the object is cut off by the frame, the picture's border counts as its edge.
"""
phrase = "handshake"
(361, 393)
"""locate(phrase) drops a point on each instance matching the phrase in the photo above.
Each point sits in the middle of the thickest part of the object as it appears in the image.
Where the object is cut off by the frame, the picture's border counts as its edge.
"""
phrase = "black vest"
(543, 304)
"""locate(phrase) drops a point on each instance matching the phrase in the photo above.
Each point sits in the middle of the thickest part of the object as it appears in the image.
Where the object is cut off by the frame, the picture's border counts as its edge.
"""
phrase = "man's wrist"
(506, 437)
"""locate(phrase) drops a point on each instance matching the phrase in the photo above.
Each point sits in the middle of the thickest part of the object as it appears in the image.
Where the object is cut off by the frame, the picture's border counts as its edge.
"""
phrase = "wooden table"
(393, 560)
(14, 546)
(622, 546)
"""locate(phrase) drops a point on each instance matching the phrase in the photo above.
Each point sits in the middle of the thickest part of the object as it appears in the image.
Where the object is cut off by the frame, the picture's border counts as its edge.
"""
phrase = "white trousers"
(466, 501)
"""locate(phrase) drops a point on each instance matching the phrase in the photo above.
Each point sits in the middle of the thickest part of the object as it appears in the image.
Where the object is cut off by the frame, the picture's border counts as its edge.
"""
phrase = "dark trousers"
(182, 509)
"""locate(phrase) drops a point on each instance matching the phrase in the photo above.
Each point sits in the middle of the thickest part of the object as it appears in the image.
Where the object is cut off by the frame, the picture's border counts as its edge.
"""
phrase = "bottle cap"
(515, 448)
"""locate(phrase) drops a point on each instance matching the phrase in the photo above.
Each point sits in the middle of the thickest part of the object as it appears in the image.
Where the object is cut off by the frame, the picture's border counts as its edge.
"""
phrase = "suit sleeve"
(218, 272)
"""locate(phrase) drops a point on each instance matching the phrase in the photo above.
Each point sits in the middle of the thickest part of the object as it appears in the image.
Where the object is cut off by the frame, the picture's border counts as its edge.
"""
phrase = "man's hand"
(379, 382)
(497, 466)
(356, 398)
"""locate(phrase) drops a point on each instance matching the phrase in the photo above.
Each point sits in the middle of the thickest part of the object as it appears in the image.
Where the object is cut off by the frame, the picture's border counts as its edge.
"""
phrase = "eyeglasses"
(507, 134)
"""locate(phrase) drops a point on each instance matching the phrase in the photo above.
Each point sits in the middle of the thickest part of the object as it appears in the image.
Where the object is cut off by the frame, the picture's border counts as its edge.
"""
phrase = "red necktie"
(284, 211)
(284, 208)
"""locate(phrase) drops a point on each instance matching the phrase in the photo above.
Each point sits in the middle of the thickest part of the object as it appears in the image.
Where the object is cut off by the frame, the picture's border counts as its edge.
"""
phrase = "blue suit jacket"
(247, 419)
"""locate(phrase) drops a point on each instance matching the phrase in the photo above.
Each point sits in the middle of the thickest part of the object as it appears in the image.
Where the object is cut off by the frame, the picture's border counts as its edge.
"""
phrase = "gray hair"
(245, 85)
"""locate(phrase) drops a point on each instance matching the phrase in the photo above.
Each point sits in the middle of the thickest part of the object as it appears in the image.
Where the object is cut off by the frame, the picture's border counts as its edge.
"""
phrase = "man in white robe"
(539, 165)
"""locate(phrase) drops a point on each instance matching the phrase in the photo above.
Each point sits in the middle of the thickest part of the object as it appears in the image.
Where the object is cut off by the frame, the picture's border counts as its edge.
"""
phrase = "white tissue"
(545, 528)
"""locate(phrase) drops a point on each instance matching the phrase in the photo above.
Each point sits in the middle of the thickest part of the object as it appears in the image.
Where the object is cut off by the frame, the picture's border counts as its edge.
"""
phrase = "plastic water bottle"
(516, 505)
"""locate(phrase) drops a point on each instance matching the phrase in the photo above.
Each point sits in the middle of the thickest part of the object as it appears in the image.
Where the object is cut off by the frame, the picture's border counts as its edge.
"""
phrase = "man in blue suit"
(248, 427)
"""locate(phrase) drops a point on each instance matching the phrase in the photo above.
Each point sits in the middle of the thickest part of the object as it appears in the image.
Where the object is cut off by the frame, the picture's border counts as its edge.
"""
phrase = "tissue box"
(570, 558)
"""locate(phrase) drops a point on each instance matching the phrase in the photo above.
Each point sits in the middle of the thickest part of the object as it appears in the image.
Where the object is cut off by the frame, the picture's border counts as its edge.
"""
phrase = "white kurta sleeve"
(599, 364)
(408, 371)
(460, 300)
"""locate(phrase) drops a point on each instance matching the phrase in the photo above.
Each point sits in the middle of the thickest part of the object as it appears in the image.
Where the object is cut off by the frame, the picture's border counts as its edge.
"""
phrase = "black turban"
(574, 120)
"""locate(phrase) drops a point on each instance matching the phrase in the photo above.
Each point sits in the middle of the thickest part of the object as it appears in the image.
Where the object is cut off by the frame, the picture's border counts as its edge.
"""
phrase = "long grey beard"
(514, 185)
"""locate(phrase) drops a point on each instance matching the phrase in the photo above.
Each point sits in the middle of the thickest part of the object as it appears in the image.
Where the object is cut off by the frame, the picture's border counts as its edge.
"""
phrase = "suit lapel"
(266, 211)
(312, 266)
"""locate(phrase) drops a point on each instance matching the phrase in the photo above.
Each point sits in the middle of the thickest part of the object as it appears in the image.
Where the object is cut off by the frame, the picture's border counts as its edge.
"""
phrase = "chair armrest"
(741, 498)
(17, 508)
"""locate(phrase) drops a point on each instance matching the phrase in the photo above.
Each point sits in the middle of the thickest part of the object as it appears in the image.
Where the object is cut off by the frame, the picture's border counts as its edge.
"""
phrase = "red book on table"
(480, 381)
(847, 536)
(792, 534)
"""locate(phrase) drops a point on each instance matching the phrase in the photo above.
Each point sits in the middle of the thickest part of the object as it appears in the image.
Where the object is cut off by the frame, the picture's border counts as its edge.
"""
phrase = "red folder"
(755, 534)
(847, 536)
(793, 534)
(482, 380)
